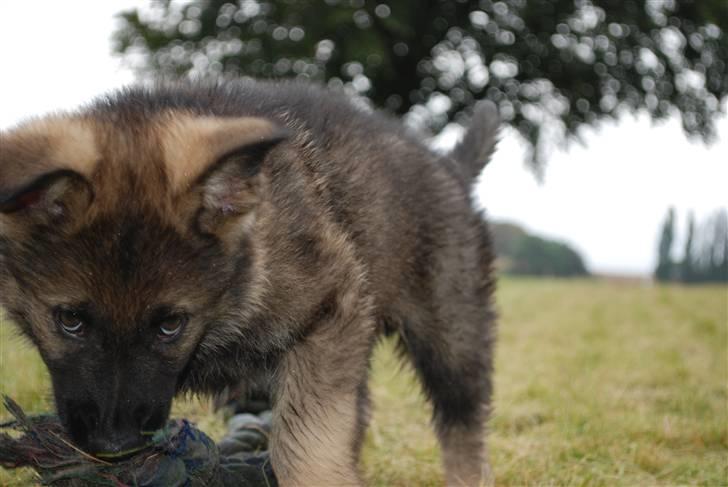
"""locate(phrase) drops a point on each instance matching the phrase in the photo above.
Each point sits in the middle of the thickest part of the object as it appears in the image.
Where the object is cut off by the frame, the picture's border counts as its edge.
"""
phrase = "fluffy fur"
(285, 229)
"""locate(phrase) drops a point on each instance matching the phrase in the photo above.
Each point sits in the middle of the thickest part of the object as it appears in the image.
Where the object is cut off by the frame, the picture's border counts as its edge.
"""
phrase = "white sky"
(607, 198)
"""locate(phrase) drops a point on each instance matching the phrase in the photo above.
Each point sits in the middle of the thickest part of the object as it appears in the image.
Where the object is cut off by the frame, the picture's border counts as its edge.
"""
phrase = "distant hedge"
(518, 252)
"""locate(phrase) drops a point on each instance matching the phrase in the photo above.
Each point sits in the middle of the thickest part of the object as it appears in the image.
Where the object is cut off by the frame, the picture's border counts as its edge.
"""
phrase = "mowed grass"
(597, 383)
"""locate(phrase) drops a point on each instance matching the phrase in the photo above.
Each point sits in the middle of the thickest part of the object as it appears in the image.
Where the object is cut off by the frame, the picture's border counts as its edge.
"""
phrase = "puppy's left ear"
(216, 164)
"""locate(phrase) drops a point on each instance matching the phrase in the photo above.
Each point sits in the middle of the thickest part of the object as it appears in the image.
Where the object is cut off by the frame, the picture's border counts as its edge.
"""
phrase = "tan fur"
(57, 142)
(168, 158)
(40, 147)
(309, 452)
(306, 447)
(190, 144)
(73, 145)
(461, 469)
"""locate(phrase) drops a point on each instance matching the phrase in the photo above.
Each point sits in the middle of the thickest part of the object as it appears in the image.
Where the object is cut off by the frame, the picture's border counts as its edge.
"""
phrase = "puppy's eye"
(70, 322)
(170, 327)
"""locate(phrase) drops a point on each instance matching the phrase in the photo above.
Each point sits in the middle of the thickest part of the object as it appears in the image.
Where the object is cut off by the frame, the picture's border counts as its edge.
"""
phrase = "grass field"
(597, 383)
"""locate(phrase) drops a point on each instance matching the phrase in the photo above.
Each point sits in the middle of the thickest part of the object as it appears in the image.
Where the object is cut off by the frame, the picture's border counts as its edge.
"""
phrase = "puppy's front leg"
(318, 411)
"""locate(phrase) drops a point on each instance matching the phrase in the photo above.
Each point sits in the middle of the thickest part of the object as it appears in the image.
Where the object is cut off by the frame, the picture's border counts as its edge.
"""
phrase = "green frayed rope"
(177, 455)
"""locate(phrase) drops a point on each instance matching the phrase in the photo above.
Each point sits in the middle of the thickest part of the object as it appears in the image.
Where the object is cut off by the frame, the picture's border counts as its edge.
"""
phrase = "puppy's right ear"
(40, 174)
(47, 198)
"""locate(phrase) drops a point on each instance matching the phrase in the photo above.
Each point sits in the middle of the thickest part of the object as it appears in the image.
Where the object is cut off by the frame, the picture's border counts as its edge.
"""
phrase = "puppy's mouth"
(123, 454)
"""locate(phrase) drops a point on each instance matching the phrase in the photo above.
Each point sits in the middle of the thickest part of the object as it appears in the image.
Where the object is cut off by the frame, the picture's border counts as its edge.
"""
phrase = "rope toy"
(178, 455)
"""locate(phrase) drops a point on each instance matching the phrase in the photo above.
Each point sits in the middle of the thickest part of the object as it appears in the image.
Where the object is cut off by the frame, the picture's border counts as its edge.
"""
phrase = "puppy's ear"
(40, 173)
(46, 198)
(215, 165)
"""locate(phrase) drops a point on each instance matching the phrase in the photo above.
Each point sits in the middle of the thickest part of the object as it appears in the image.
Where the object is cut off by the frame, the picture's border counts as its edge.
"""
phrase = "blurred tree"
(706, 250)
(505, 237)
(521, 253)
(664, 270)
(553, 66)
(537, 256)
(687, 271)
(714, 259)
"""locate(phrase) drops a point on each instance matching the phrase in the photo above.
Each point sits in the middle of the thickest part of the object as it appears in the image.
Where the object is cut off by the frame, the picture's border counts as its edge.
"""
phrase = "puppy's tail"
(474, 151)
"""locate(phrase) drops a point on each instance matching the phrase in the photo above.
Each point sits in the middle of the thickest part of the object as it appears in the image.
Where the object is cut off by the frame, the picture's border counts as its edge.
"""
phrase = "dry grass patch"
(597, 383)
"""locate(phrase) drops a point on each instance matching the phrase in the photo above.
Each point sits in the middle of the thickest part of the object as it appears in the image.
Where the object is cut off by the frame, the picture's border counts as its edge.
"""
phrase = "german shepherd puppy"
(188, 236)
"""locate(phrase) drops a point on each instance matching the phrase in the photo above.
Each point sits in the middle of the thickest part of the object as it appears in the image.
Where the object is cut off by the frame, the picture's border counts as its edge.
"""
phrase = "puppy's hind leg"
(454, 364)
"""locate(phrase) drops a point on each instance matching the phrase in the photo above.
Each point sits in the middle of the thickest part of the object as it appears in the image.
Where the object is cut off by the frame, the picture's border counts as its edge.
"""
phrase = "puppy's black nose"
(115, 435)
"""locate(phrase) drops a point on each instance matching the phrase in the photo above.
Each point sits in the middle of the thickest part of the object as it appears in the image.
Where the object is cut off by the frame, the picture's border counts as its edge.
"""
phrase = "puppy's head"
(122, 236)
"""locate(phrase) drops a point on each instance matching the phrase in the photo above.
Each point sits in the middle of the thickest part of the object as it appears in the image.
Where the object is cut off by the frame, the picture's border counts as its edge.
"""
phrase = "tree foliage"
(552, 66)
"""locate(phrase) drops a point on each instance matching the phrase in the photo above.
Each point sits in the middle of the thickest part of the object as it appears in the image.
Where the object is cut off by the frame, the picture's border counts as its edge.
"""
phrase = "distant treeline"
(519, 252)
(705, 255)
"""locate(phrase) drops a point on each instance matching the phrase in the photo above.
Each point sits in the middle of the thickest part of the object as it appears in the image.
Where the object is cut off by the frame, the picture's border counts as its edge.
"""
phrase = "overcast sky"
(607, 198)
